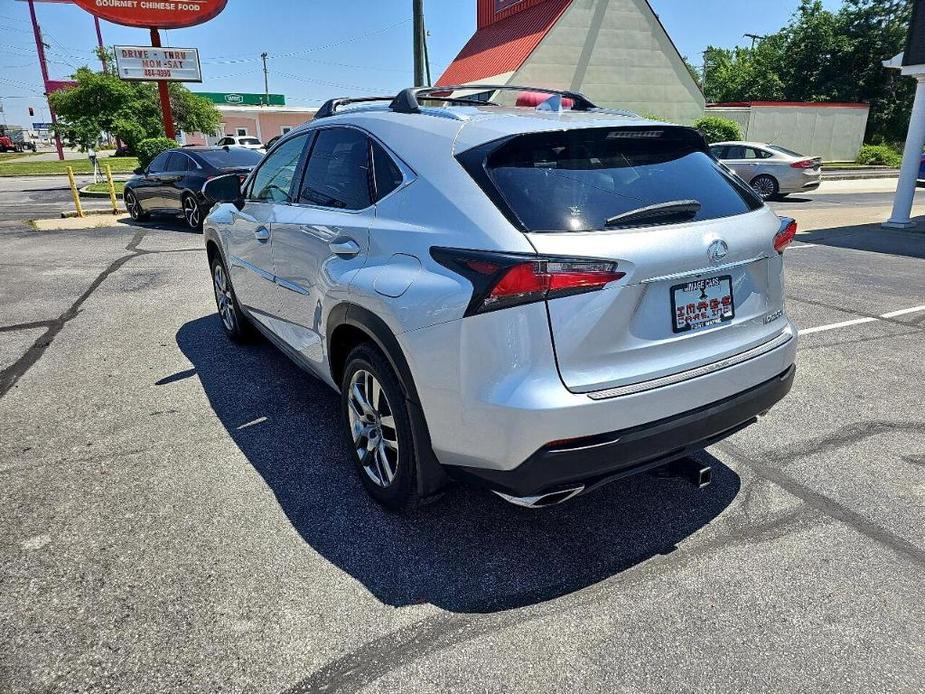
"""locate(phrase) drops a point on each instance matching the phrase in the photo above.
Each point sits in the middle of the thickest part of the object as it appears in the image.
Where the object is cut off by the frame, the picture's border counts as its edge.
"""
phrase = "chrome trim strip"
(240, 262)
(672, 379)
(292, 286)
(703, 270)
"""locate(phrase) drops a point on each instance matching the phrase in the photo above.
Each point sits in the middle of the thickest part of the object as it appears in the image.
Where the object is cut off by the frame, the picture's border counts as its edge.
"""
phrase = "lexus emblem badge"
(718, 250)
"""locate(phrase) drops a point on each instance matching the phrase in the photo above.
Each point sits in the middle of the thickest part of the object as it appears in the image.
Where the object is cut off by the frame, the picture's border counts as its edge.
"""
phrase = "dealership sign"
(163, 14)
(145, 63)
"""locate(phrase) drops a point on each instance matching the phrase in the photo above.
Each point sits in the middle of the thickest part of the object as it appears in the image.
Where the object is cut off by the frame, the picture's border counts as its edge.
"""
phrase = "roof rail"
(329, 108)
(407, 100)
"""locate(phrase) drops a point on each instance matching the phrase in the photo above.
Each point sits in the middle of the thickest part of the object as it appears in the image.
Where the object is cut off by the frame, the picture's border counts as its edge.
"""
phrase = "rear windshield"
(784, 150)
(232, 157)
(575, 180)
(249, 141)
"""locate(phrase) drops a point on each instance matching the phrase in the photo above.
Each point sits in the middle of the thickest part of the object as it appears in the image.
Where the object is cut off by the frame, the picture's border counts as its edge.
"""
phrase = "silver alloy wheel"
(131, 203)
(191, 212)
(223, 297)
(764, 186)
(372, 426)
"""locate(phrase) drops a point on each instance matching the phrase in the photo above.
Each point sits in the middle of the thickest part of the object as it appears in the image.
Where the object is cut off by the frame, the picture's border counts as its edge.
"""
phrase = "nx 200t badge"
(717, 251)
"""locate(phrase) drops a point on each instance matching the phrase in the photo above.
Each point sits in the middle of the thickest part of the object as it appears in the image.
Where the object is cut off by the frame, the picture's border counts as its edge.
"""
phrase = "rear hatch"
(703, 281)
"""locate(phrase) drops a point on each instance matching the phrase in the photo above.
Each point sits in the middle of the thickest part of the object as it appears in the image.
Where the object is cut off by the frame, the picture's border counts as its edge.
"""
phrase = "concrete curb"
(84, 193)
(849, 175)
(88, 213)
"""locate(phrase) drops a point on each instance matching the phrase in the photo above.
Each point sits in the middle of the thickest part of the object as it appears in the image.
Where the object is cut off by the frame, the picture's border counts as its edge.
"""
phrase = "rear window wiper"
(660, 213)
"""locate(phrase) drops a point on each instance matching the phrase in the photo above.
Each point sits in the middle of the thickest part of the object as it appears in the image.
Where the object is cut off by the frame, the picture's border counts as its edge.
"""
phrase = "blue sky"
(320, 48)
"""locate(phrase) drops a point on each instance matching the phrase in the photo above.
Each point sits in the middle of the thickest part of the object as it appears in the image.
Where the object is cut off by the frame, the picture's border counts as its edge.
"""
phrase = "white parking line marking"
(802, 245)
(859, 321)
(834, 326)
(903, 312)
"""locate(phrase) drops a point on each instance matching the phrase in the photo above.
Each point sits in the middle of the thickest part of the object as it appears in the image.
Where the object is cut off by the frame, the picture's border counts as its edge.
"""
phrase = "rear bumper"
(600, 459)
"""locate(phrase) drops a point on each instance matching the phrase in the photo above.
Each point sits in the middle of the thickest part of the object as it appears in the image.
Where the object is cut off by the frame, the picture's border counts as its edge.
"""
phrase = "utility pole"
(266, 80)
(755, 37)
(418, 29)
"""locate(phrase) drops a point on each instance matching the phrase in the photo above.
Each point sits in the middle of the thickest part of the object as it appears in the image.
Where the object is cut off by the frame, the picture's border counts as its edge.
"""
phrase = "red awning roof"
(505, 45)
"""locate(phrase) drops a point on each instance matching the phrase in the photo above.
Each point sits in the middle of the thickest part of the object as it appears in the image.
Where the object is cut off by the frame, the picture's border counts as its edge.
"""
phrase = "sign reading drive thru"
(145, 63)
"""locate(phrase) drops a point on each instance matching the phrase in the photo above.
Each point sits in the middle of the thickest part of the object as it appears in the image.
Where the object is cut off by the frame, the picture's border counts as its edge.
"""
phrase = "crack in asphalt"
(11, 375)
(860, 340)
(394, 650)
(843, 437)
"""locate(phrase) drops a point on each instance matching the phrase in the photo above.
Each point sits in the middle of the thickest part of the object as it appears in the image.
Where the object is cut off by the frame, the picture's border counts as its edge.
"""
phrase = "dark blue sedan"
(172, 182)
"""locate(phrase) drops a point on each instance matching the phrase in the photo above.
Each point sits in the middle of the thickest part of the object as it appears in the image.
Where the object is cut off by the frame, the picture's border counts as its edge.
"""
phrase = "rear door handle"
(344, 247)
(262, 234)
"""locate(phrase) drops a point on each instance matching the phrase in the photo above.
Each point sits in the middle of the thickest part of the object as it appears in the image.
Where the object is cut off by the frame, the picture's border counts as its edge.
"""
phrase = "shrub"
(150, 148)
(883, 155)
(717, 129)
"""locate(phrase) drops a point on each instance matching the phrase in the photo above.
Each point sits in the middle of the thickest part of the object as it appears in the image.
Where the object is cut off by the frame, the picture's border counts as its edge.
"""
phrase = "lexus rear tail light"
(785, 234)
(501, 280)
(802, 164)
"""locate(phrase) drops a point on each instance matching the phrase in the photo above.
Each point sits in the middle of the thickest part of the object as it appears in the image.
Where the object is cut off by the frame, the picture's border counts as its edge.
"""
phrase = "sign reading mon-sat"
(162, 14)
(144, 63)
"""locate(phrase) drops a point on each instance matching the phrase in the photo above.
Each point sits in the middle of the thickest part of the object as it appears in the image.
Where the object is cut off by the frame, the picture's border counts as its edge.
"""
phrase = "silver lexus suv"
(535, 300)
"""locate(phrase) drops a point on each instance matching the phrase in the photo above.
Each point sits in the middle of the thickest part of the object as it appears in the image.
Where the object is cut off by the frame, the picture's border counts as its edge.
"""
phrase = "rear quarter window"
(575, 180)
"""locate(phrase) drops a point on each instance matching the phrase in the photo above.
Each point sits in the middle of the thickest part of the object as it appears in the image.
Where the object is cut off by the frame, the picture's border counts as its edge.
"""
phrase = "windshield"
(577, 180)
(233, 157)
(784, 150)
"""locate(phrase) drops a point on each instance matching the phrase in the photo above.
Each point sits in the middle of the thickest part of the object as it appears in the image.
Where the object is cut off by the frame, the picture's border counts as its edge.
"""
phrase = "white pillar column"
(912, 156)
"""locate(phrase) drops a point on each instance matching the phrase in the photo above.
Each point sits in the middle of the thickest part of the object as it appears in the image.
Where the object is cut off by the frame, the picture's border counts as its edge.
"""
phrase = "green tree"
(717, 129)
(101, 102)
(824, 55)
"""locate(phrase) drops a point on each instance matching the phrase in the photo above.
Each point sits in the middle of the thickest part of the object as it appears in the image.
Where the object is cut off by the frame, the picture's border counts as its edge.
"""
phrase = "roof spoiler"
(406, 101)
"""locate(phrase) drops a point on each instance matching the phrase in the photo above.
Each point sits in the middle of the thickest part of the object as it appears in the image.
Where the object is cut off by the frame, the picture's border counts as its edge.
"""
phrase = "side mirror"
(224, 189)
(138, 171)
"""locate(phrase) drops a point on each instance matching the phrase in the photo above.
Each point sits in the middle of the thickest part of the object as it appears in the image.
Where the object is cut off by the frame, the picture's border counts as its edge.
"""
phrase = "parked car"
(772, 170)
(241, 141)
(922, 169)
(535, 300)
(172, 182)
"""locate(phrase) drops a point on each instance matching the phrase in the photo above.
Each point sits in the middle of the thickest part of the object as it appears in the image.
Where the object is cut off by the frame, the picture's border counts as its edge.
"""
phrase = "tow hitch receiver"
(690, 469)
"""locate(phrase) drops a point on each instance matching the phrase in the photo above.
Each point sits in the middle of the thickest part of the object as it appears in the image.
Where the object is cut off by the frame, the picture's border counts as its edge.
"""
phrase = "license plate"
(701, 303)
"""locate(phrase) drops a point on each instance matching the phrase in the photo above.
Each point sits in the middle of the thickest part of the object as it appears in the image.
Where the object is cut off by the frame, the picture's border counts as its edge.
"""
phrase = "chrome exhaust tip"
(543, 500)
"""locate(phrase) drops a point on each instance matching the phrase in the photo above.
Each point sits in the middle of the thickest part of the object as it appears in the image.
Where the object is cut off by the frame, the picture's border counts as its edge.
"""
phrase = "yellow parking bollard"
(74, 192)
(112, 190)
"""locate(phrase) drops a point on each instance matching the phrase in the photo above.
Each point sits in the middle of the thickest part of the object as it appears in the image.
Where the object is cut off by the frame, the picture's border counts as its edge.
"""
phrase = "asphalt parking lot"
(178, 513)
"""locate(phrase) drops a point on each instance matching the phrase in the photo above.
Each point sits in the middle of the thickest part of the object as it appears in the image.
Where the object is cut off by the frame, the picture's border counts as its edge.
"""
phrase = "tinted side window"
(177, 162)
(273, 180)
(387, 174)
(159, 163)
(735, 152)
(337, 174)
(719, 151)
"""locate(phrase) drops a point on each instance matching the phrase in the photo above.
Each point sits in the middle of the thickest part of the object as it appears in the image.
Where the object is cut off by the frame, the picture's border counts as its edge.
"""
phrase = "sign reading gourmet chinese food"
(162, 14)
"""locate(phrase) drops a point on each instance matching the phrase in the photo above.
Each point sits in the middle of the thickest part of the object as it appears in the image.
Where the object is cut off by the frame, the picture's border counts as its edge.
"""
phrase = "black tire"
(766, 186)
(134, 206)
(192, 212)
(235, 324)
(400, 492)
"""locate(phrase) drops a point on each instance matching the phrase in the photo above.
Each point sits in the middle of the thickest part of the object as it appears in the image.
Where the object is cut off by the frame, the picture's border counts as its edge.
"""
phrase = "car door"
(172, 180)
(735, 159)
(322, 240)
(148, 191)
(250, 235)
